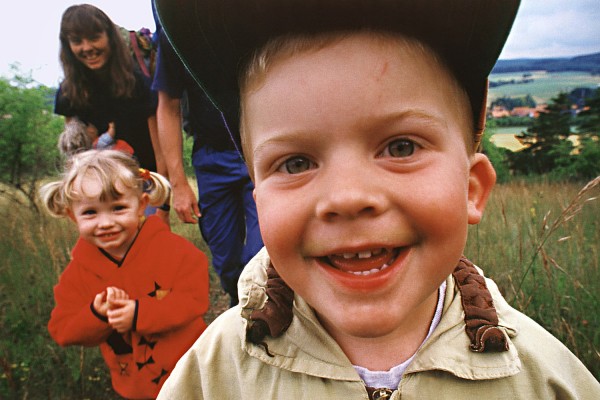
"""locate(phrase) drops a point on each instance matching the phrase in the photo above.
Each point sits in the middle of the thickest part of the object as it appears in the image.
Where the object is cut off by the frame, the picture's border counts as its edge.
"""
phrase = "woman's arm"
(161, 166)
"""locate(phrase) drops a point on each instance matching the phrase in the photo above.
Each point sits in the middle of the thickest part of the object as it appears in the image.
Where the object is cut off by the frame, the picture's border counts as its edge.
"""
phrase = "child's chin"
(361, 322)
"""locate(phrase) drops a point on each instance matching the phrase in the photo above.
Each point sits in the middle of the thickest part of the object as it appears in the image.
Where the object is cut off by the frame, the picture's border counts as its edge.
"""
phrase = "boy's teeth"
(372, 271)
(363, 263)
(362, 254)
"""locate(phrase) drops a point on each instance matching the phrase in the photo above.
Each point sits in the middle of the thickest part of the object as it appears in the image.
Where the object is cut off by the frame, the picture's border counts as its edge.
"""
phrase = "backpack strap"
(276, 315)
(481, 319)
(138, 53)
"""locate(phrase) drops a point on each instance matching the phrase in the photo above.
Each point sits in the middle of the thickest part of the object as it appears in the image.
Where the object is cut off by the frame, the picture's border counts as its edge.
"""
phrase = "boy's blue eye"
(119, 208)
(89, 212)
(401, 148)
(297, 165)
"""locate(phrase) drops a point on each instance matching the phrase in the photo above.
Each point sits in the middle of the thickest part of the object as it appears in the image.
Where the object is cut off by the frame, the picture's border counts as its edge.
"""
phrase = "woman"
(101, 85)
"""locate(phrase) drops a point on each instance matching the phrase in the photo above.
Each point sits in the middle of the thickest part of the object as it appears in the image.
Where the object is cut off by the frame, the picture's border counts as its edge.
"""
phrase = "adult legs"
(225, 197)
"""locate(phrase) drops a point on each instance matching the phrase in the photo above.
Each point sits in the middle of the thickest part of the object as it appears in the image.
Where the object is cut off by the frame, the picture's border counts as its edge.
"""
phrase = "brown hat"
(215, 38)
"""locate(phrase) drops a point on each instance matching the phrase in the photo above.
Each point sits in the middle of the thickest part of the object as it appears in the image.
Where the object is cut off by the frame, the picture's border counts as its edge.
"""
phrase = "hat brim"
(215, 38)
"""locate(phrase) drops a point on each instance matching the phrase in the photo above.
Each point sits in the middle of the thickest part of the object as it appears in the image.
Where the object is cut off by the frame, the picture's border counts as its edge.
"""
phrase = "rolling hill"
(584, 63)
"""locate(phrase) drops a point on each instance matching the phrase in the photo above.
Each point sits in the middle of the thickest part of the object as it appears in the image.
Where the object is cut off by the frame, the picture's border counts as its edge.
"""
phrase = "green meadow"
(545, 85)
(538, 240)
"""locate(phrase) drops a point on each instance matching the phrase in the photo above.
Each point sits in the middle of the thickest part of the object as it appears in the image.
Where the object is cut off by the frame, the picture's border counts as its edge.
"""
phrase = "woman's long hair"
(86, 21)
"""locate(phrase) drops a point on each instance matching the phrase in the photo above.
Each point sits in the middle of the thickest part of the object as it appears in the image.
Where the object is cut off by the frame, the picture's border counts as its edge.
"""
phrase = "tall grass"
(539, 241)
(34, 251)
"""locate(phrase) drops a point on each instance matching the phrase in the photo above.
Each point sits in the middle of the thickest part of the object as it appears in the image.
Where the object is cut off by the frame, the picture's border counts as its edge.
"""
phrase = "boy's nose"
(354, 196)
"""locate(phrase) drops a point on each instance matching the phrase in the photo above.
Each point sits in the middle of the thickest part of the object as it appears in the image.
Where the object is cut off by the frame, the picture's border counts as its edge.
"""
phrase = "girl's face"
(93, 52)
(112, 224)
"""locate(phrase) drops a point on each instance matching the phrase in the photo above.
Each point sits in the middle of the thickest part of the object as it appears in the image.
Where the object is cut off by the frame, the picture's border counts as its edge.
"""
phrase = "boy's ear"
(482, 178)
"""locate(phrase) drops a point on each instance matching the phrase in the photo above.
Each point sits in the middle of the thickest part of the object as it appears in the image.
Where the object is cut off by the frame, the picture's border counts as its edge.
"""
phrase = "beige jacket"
(308, 364)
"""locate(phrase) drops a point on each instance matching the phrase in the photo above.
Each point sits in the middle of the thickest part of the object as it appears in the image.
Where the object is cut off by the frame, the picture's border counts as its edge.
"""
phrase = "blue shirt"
(201, 118)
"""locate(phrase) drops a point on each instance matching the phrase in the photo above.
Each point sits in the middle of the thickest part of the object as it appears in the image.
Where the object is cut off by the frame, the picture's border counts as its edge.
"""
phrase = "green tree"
(582, 165)
(585, 164)
(28, 136)
(588, 121)
(545, 138)
(511, 102)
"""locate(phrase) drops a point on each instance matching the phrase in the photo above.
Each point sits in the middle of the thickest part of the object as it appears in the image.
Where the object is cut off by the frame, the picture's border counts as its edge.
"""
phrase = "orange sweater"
(168, 278)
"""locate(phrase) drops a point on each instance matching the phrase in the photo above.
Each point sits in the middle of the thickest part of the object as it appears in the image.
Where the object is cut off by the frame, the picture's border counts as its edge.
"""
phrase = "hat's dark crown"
(215, 38)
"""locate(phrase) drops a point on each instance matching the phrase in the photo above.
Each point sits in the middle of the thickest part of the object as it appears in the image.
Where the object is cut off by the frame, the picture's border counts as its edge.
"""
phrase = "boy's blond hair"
(108, 167)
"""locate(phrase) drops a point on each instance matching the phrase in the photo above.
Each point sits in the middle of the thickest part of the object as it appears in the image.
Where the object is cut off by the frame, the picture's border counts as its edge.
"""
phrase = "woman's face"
(93, 51)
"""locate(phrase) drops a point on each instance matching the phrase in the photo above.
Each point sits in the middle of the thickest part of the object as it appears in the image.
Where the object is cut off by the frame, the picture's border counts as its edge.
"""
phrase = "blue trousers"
(229, 223)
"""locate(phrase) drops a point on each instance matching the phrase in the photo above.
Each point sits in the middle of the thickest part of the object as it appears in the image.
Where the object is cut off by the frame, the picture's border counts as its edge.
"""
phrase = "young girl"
(132, 287)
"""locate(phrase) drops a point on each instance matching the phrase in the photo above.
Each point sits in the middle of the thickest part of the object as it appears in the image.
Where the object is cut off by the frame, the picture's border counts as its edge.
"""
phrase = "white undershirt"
(391, 379)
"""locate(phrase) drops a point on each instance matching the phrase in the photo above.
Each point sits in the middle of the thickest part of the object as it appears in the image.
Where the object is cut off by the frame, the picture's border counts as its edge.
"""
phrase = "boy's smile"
(364, 186)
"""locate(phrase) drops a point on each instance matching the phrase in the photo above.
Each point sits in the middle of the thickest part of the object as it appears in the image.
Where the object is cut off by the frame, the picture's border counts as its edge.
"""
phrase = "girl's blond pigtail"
(53, 198)
(159, 190)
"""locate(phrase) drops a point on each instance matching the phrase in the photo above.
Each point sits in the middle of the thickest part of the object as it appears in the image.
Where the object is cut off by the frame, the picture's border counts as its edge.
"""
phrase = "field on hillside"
(545, 85)
(540, 245)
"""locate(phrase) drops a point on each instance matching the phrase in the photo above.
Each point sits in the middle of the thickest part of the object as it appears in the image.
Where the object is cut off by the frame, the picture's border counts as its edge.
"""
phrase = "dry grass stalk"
(573, 208)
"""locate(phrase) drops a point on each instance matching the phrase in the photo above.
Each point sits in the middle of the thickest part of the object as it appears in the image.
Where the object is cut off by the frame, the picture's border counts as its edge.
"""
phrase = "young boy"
(360, 121)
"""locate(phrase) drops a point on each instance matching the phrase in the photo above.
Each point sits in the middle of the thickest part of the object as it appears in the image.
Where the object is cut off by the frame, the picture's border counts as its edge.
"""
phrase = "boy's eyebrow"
(416, 114)
(413, 115)
(283, 138)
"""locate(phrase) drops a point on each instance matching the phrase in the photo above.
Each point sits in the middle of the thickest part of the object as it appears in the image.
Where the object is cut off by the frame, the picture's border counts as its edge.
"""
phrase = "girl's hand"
(113, 295)
(120, 317)
(100, 304)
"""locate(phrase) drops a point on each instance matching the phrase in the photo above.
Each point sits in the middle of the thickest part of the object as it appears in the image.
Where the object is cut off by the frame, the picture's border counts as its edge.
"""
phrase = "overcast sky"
(29, 30)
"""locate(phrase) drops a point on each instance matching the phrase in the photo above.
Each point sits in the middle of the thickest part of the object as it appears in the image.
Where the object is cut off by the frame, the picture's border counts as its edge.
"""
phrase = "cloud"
(554, 28)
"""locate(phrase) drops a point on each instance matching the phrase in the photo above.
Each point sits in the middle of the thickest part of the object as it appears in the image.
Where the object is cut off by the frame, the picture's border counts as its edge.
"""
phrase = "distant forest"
(586, 63)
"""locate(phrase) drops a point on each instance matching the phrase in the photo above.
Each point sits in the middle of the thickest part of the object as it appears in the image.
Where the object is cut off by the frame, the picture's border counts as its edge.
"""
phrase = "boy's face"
(363, 182)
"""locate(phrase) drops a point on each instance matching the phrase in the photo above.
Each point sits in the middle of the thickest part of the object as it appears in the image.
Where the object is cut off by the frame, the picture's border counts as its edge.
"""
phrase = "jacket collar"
(448, 347)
